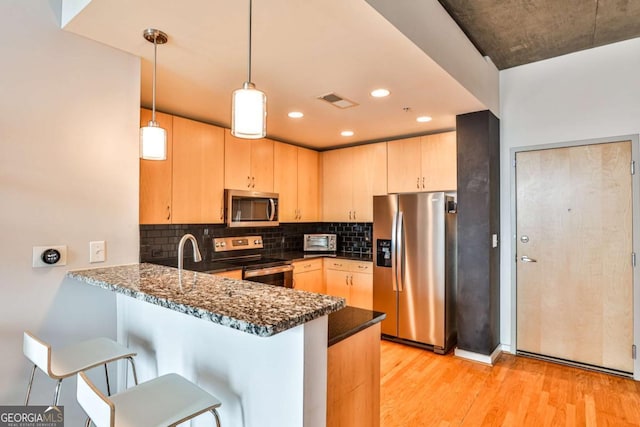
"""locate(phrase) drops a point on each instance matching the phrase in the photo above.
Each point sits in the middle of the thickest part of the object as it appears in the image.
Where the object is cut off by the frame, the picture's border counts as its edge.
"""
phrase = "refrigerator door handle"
(394, 251)
(400, 251)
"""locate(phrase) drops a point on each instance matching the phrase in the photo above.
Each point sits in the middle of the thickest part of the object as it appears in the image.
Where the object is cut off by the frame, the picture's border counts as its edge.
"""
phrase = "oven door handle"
(267, 271)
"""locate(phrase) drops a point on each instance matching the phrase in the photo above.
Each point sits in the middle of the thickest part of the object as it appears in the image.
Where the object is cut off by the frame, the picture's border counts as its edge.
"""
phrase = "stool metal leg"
(106, 373)
(56, 396)
(33, 372)
(133, 368)
(215, 414)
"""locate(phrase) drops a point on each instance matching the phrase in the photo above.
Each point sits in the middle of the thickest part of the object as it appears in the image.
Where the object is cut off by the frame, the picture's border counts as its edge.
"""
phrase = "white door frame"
(635, 190)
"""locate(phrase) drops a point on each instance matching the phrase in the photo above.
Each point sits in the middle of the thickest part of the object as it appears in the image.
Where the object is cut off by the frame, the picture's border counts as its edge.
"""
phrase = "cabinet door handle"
(248, 182)
(253, 182)
(354, 215)
(346, 279)
(349, 214)
(351, 279)
(418, 183)
(221, 213)
(168, 212)
(423, 182)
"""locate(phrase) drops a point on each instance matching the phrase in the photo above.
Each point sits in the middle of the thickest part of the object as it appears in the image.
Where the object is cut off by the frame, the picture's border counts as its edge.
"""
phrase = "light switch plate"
(97, 251)
(494, 240)
(37, 256)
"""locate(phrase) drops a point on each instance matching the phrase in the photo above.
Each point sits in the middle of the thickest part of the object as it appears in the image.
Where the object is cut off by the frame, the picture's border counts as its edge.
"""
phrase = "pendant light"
(153, 138)
(249, 105)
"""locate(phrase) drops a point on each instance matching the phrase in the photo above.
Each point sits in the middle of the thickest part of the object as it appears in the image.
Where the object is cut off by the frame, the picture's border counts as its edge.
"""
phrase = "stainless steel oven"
(255, 267)
(279, 275)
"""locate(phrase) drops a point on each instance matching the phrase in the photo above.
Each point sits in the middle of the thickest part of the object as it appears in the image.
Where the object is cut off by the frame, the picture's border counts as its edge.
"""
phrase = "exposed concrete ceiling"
(302, 49)
(517, 32)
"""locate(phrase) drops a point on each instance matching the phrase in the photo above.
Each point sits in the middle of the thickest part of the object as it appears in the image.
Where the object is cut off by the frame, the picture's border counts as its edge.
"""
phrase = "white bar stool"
(68, 361)
(164, 401)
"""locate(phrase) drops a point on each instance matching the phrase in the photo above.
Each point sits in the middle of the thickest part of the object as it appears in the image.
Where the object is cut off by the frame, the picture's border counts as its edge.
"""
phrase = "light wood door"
(262, 165)
(337, 185)
(369, 175)
(338, 283)
(198, 177)
(574, 223)
(439, 163)
(310, 281)
(361, 292)
(285, 180)
(155, 177)
(308, 196)
(237, 162)
(405, 170)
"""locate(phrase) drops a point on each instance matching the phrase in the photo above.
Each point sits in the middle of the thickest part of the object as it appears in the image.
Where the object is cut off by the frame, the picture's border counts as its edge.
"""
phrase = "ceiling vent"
(337, 100)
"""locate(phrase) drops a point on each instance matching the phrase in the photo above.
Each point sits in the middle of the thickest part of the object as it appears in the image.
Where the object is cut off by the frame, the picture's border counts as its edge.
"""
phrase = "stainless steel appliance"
(255, 267)
(250, 208)
(320, 242)
(414, 273)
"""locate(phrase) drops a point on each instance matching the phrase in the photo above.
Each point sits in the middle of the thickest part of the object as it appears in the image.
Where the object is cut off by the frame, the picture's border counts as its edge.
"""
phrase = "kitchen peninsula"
(260, 349)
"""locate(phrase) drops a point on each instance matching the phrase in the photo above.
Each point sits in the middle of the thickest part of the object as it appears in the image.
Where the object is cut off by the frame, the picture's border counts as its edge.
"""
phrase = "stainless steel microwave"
(250, 208)
(320, 242)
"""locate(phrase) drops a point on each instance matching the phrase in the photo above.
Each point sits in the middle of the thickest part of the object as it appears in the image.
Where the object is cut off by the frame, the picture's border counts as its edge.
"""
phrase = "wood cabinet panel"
(426, 163)
(233, 274)
(404, 165)
(439, 163)
(337, 185)
(308, 193)
(369, 174)
(155, 177)
(352, 280)
(262, 165)
(237, 162)
(353, 380)
(198, 178)
(285, 180)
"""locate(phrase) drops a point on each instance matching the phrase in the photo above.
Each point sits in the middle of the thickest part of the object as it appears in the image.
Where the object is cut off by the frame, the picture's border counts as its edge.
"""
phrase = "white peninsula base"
(278, 381)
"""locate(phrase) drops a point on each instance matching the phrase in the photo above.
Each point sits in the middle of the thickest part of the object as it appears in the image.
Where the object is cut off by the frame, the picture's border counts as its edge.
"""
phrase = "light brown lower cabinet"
(307, 276)
(353, 380)
(233, 274)
(351, 280)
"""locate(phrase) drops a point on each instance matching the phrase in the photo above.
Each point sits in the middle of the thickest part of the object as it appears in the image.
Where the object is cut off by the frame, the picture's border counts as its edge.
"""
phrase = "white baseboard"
(477, 357)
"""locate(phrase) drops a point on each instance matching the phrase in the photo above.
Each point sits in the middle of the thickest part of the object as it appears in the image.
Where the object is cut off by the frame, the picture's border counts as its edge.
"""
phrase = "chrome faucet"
(196, 252)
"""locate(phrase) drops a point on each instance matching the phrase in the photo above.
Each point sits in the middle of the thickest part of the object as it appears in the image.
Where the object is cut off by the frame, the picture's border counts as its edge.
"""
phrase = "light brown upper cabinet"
(155, 177)
(248, 163)
(295, 179)
(198, 177)
(187, 188)
(350, 179)
(425, 163)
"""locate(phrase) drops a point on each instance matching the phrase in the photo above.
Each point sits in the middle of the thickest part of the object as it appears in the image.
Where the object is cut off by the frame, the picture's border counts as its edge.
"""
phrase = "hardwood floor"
(420, 388)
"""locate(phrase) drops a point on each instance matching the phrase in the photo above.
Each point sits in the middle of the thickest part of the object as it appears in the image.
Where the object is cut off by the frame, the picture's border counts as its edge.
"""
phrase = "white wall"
(68, 175)
(585, 95)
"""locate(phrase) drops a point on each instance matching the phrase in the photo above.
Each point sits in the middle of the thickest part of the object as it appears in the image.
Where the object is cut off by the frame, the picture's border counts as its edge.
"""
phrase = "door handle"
(525, 258)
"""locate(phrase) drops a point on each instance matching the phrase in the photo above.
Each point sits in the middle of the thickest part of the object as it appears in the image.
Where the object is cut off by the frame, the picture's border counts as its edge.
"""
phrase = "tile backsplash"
(161, 241)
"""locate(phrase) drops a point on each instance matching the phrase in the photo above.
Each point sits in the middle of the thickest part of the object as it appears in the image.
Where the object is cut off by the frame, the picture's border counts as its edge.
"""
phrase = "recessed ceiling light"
(380, 93)
(346, 133)
(295, 115)
(423, 119)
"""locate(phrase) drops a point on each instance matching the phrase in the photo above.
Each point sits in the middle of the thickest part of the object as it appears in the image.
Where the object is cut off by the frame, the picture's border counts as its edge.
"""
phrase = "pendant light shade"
(249, 105)
(153, 138)
(249, 112)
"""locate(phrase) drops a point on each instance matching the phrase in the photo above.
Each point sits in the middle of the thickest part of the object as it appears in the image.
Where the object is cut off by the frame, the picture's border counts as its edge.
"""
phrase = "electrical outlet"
(97, 251)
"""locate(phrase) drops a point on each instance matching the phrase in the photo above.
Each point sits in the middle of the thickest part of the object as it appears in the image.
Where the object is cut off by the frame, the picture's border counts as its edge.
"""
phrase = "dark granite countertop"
(250, 307)
(349, 321)
(299, 255)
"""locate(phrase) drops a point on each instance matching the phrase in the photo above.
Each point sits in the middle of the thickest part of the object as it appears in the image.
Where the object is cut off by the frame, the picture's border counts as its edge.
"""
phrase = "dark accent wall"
(161, 241)
(478, 299)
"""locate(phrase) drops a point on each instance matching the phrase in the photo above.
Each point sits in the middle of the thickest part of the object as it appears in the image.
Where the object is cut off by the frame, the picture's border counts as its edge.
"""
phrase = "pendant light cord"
(153, 92)
(250, 13)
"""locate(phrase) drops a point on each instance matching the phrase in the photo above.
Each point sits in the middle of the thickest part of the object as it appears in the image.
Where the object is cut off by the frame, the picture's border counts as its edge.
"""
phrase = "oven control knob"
(223, 244)
(256, 242)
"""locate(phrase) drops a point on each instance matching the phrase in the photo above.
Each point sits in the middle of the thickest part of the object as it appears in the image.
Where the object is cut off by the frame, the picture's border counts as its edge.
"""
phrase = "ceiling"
(302, 49)
(516, 32)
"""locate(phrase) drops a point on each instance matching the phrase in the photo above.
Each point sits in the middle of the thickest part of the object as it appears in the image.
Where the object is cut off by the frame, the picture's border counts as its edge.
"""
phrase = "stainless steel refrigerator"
(414, 273)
